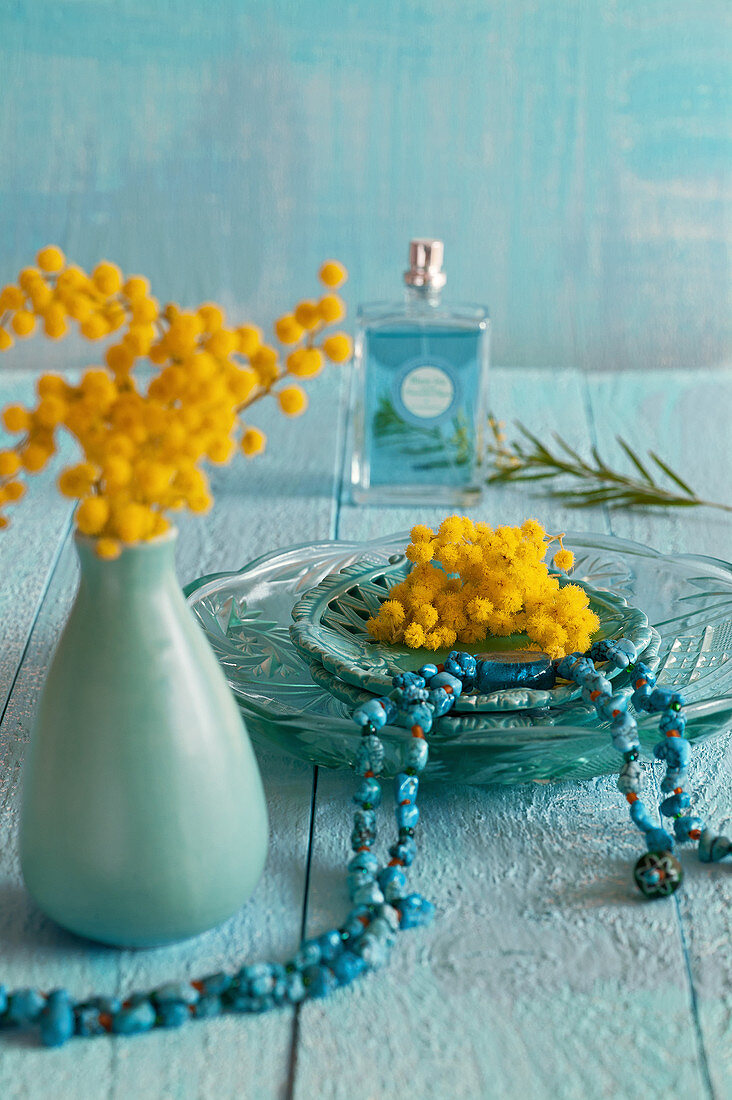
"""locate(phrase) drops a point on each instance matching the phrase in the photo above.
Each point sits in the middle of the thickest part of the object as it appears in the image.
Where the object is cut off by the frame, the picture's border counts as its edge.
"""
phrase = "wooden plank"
(283, 496)
(542, 974)
(685, 418)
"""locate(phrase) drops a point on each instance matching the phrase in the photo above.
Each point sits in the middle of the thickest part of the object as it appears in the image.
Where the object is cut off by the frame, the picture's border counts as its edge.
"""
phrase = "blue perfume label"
(426, 390)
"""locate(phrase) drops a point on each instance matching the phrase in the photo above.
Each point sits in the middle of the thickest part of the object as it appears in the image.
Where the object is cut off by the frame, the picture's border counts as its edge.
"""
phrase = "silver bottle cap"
(425, 264)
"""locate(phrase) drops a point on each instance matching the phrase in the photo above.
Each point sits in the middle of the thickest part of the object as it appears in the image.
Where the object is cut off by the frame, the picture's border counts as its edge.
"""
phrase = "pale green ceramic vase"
(143, 819)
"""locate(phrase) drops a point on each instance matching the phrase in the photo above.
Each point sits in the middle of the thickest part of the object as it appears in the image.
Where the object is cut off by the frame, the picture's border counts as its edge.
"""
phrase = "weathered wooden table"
(544, 973)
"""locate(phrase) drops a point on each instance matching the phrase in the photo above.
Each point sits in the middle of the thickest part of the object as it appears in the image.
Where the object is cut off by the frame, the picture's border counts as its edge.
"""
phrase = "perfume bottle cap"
(425, 264)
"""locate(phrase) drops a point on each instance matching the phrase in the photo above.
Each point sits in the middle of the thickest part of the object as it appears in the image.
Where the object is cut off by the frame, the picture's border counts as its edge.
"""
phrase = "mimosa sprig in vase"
(145, 440)
(143, 817)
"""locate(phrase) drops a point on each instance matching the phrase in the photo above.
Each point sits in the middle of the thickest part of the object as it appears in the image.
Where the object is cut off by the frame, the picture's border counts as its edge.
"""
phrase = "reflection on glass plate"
(688, 599)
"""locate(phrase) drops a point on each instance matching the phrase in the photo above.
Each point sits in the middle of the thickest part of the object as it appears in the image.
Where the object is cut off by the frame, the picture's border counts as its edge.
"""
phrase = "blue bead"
(87, 1014)
(176, 991)
(393, 882)
(172, 1014)
(664, 699)
(347, 967)
(409, 696)
(405, 850)
(631, 777)
(444, 679)
(685, 825)
(672, 721)
(427, 672)
(216, 983)
(464, 667)
(619, 653)
(331, 945)
(441, 702)
(415, 911)
(515, 669)
(137, 1018)
(353, 925)
(625, 646)
(409, 679)
(239, 1000)
(584, 672)
(624, 732)
(416, 754)
(307, 955)
(643, 672)
(364, 861)
(674, 804)
(421, 714)
(57, 1019)
(367, 894)
(263, 985)
(598, 682)
(674, 750)
(626, 744)
(405, 787)
(368, 793)
(640, 697)
(713, 848)
(296, 990)
(383, 931)
(356, 879)
(407, 816)
(24, 1007)
(623, 723)
(566, 665)
(389, 874)
(606, 705)
(370, 755)
(639, 814)
(373, 711)
(279, 993)
(86, 1021)
(658, 840)
(373, 950)
(365, 820)
(599, 650)
(3, 999)
(674, 777)
(319, 981)
(364, 829)
(252, 972)
(208, 1006)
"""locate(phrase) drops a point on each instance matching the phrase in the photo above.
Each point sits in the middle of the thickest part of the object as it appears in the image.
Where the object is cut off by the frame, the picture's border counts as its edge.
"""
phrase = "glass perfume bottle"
(419, 392)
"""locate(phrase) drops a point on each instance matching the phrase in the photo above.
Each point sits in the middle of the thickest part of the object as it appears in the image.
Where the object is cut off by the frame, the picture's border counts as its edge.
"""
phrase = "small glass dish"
(330, 628)
(246, 616)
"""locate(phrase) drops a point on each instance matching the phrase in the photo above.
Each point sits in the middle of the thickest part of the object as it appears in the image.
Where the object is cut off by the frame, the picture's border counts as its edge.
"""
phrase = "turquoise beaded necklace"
(382, 908)
(381, 905)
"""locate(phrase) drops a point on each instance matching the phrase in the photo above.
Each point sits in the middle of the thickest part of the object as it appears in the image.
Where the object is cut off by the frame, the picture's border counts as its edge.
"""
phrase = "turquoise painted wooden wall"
(574, 154)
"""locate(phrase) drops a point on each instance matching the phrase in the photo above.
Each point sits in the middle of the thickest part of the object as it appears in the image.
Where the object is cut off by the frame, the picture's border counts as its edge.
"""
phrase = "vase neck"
(139, 566)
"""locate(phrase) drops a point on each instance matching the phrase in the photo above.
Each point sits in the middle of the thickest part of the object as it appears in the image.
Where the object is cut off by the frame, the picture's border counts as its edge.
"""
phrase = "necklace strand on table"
(382, 908)
(424, 696)
(381, 905)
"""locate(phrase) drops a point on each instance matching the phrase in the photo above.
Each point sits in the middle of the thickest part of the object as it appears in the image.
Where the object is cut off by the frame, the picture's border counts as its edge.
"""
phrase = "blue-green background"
(574, 155)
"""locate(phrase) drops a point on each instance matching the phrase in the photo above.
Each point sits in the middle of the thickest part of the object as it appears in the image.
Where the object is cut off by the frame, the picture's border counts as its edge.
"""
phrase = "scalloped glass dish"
(246, 616)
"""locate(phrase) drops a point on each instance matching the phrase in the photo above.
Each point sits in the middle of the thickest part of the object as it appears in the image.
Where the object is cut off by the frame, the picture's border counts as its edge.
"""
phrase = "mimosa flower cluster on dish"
(469, 581)
(144, 441)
